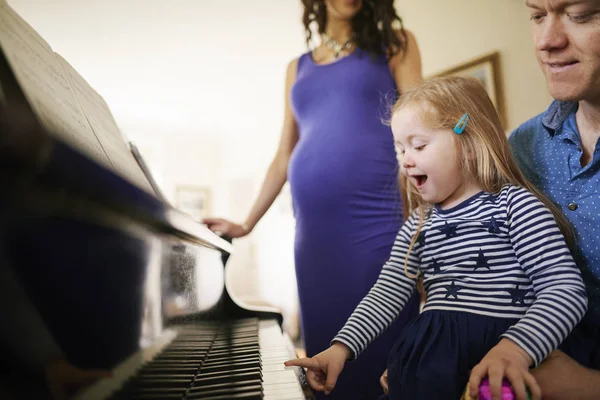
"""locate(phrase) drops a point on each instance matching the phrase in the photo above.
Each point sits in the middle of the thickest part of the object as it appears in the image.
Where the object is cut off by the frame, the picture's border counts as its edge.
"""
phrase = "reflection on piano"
(99, 263)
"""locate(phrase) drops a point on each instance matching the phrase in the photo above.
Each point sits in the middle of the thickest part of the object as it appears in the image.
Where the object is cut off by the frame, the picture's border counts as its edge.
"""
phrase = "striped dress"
(494, 266)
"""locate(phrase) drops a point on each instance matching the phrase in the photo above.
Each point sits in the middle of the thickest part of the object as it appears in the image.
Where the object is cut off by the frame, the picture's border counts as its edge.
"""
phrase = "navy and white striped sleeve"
(561, 299)
(382, 305)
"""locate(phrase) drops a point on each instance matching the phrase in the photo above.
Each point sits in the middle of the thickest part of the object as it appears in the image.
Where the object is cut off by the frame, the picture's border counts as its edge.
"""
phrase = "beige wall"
(450, 32)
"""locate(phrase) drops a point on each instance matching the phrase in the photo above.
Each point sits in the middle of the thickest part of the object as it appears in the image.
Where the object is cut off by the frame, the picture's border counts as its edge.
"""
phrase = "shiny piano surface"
(119, 279)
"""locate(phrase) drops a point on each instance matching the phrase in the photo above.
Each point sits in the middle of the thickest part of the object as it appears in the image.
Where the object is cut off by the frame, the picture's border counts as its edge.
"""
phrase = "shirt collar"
(557, 114)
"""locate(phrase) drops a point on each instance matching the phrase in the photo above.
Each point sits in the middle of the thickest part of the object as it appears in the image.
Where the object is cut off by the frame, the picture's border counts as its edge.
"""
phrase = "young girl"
(502, 288)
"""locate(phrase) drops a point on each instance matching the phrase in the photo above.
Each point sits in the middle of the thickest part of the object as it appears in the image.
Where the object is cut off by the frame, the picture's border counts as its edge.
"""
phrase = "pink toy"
(507, 392)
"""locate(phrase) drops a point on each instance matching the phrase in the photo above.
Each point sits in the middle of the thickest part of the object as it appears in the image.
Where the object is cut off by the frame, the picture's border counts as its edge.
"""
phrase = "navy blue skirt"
(436, 351)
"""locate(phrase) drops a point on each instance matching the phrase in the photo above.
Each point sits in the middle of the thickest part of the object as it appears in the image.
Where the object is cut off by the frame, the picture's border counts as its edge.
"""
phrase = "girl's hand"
(323, 369)
(506, 359)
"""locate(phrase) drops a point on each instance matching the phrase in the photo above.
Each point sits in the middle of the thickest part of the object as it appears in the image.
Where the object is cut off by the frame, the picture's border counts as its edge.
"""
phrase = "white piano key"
(279, 382)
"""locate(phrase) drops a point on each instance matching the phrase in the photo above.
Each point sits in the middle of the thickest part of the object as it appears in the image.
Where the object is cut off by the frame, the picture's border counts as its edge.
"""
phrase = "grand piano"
(97, 266)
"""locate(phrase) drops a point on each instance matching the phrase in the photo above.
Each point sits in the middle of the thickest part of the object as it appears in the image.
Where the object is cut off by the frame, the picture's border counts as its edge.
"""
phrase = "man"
(559, 152)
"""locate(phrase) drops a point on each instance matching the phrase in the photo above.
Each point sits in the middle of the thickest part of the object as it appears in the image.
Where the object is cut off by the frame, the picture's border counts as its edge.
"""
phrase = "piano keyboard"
(241, 359)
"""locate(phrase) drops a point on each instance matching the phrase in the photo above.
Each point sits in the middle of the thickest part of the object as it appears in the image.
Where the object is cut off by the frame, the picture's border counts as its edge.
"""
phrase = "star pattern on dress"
(481, 261)
(449, 229)
(490, 198)
(493, 225)
(452, 290)
(421, 239)
(518, 295)
(436, 265)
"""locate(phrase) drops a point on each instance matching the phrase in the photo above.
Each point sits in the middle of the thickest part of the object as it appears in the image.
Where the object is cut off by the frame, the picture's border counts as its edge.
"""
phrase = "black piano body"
(112, 273)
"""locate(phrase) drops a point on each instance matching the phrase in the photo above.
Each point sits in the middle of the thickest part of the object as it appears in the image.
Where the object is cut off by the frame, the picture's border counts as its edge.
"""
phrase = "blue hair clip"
(461, 124)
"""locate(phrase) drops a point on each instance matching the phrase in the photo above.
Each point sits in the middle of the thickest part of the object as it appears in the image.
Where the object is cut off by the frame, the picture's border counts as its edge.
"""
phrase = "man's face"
(567, 41)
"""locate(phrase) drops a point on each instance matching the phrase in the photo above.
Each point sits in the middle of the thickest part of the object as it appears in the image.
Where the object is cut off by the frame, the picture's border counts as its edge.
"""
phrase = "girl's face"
(429, 158)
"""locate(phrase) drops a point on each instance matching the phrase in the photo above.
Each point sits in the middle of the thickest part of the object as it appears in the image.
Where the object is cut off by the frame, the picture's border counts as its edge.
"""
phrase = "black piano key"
(168, 371)
(199, 394)
(238, 335)
(165, 391)
(219, 363)
(229, 346)
(137, 392)
(217, 356)
(219, 341)
(186, 357)
(186, 349)
(190, 347)
(171, 363)
(231, 360)
(146, 376)
(157, 383)
(229, 366)
(228, 377)
(149, 396)
(232, 345)
(196, 393)
(256, 395)
(218, 374)
(225, 353)
(223, 386)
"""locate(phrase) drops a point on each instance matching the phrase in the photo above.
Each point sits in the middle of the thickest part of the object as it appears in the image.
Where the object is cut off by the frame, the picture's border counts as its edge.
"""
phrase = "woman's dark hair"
(376, 26)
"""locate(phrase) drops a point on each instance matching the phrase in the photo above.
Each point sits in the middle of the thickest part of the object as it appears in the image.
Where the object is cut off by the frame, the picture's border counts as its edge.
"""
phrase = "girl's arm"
(386, 299)
(561, 300)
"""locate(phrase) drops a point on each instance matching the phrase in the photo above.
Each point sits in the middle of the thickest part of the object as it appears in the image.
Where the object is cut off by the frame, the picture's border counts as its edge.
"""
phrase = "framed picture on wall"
(487, 69)
(194, 200)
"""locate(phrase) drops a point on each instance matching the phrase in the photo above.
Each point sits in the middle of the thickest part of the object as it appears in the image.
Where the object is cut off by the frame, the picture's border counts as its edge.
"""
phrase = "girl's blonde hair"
(483, 150)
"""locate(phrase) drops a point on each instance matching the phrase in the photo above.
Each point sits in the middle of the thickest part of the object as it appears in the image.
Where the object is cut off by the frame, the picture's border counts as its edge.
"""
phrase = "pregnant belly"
(329, 177)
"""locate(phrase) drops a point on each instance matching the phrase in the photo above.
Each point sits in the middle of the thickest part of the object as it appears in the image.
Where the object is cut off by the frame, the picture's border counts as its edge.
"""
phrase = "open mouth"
(419, 180)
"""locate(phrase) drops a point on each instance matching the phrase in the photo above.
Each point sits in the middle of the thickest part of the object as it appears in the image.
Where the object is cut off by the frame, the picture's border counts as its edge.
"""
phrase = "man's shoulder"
(547, 122)
(528, 129)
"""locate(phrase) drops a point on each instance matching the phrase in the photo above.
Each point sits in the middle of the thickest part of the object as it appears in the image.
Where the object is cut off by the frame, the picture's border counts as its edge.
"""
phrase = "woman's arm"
(406, 64)
(276, 174)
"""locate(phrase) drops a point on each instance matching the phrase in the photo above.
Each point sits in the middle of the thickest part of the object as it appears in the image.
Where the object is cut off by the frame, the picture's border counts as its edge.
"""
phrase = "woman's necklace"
(336, 47)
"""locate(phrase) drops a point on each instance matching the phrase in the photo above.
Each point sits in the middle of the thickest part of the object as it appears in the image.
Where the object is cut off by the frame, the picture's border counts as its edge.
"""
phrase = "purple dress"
(343, 177)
